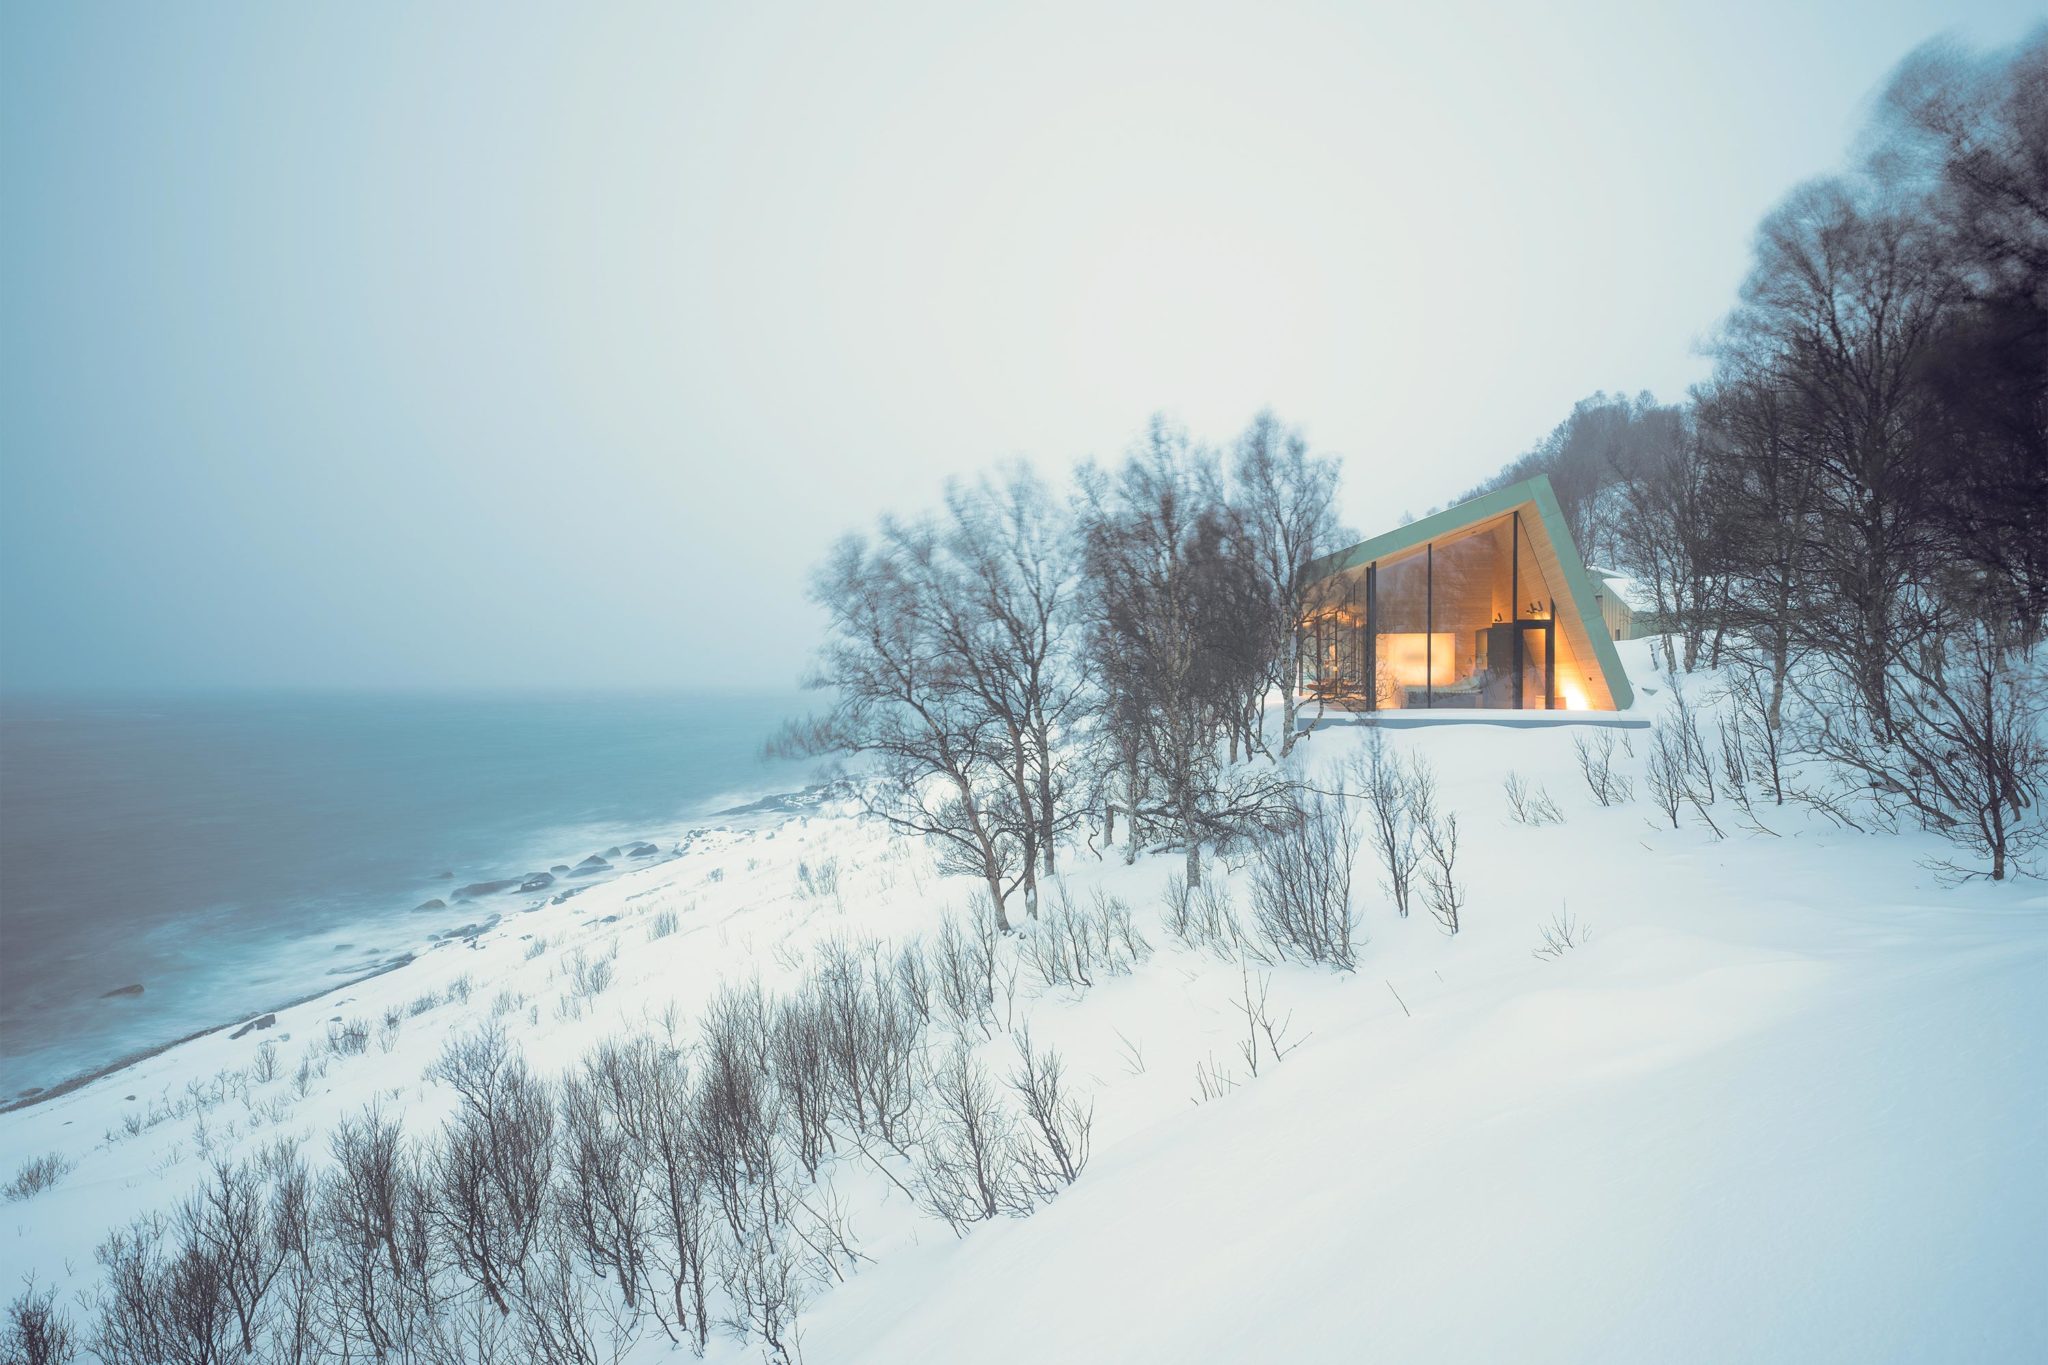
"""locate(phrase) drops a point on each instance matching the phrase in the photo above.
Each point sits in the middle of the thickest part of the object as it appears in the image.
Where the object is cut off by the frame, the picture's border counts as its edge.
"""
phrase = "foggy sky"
(406, 345)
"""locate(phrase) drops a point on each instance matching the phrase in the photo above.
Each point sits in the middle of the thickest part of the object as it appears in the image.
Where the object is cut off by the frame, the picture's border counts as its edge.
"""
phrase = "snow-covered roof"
(1629, 590)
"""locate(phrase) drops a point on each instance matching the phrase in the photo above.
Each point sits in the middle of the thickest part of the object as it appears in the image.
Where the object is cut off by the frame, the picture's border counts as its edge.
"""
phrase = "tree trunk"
(995, 899)
(1289, 706)
(991, 866)
(1134, 835)
(1779, 670)
(1048, 819)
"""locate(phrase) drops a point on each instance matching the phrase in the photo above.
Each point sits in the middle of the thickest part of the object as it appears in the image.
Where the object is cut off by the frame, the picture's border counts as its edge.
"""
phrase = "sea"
(230, 852)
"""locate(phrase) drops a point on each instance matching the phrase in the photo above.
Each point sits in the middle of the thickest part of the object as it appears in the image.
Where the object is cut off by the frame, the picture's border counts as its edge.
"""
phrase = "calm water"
(230, 852)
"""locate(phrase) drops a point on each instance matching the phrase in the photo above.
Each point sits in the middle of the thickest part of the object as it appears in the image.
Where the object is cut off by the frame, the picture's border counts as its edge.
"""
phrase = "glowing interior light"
(1414, 658)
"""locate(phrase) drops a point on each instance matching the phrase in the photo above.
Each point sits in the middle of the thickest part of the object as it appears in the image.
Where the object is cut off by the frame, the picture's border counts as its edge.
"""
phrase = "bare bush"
(1205, 917)
(603, 1199)
(590, 977)
(159, 1304)
(227, 1223)
(803, 1074)
(649, 1093)
(818, 881)
(1753, 736)
(564, 1318)
(311, 1068)
(664, 923)
(264, 1067)
(35, 1175)
(197, 1287)
(1060, 1123)
(1957, 747)
(1266, 1039)
(1665, 774)
(1179, 907)
(871, 1041)
(974, 1160)
(1212, 1081)
(1072, 946)
(348, 1037)
(37, 1331)
(963, 961)
(1439, 836)
(1530, 805)
(1560, 936)
(1301, 881)
(737, 1110)
(914, 978)
(373, 1213)
(1596, 764)
(1390, 788)
(495, 1164)
(388, 1028)
(763, 1273)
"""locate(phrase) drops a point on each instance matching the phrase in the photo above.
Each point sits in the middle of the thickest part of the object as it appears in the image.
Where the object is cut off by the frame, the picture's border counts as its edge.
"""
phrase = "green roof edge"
(1537, 492)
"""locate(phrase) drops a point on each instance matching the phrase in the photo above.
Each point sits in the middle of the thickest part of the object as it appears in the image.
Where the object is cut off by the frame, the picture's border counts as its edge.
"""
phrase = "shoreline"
(76, 1083)
(781, 805)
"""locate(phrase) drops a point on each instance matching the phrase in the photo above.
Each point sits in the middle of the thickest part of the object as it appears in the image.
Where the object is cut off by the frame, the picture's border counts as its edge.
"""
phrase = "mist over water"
(229, 851)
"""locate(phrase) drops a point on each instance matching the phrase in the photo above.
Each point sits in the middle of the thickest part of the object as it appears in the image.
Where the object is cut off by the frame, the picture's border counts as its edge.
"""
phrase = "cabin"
(1482, 607)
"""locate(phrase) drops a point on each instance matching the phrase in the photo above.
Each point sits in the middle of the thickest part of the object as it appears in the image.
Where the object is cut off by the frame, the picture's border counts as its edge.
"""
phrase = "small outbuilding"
(1483, 606)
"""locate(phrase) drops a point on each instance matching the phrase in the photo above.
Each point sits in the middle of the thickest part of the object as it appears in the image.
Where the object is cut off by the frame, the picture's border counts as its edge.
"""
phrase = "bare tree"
(1014, 626)
(1665, 532)
(905, 698)
(1153, 537)
(1284, 499)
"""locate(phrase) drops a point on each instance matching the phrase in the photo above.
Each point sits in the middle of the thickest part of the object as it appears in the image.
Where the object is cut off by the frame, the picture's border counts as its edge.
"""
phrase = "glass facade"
(1465, 620)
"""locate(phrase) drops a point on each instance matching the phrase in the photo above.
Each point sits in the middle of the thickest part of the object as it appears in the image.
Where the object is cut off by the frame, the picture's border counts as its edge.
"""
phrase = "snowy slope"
(1788, 1102)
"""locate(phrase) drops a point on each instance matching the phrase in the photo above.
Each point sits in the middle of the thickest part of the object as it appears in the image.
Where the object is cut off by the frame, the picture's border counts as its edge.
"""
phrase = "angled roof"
(1532, 496)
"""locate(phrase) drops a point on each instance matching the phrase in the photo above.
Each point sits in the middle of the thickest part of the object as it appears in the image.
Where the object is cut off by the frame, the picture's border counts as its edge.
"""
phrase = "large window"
(1466, 620)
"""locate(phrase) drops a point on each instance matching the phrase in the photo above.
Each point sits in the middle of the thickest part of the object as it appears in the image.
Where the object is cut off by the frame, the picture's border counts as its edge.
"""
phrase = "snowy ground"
(1788, 1102)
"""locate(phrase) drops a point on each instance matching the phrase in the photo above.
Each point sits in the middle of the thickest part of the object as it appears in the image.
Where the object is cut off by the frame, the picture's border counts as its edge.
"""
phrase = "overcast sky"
(401, 345)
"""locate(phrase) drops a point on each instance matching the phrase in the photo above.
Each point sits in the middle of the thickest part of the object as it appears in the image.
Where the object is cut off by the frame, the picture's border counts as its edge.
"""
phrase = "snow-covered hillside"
(1787, 1100)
